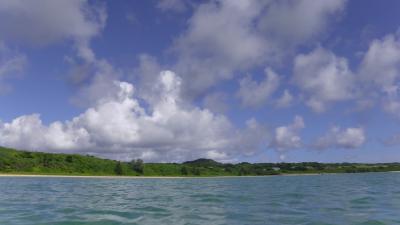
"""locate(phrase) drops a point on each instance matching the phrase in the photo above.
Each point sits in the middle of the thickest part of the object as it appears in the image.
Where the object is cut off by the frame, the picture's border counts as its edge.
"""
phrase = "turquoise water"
(372, 198)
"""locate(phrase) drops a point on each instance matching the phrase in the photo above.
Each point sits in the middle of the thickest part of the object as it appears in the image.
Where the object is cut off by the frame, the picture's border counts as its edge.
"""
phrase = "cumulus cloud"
(253, 93)
(392, 106)
(287, 137)
(380, 72)
(98, 84)
(381, 63)
(391, 101)
(219, 39)
(28, 132)
(323, 77)
(292, 22)
(11, 65)
(118, 126)
(285, 100)
(224, 37)
(177, 6)
(146, 73)
(45, 21)
(349, 138)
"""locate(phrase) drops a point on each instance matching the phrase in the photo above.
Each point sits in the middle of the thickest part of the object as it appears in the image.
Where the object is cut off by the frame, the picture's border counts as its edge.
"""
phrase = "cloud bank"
(118, 126)
(225, 37)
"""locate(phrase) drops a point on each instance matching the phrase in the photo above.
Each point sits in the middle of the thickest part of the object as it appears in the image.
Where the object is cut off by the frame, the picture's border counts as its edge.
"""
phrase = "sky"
(177, 80)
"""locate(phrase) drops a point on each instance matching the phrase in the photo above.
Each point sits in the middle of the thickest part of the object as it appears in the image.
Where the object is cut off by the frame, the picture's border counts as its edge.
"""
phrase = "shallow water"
(372, 198)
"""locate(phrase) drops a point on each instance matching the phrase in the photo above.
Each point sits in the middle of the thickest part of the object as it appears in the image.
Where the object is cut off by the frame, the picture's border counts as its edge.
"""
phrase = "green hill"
(13, 161)
(202, 162)
(24, 162)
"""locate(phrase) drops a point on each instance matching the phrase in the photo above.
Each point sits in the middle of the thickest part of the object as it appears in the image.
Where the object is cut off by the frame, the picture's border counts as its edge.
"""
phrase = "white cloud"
(28, 132)
(46, 21)
(220, 39)
(285, 100)
(362, 105)
(11, 65)
(292, 22)
(381, 63)
(288, 137)
(253, 93)
(392, 107)
(348, 138)
(323, 77)
(173, 5)
(118, 126)
(98, 83)
(391, 102)
(224, 37)
(146, 74)
(380, 72)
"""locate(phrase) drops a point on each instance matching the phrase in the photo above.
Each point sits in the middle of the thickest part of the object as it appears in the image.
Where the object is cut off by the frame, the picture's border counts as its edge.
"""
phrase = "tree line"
(13, 161)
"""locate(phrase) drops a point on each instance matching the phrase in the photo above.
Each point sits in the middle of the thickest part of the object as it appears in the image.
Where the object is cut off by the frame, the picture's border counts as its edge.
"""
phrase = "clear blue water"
(372, 198)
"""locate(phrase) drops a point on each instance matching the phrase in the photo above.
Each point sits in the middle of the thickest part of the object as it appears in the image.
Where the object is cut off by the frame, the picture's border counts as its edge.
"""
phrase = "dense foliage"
(23, 162)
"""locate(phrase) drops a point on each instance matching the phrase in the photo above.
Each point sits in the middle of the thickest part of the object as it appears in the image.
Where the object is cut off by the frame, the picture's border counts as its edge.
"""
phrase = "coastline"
(146, 177)
(85, 176)
(2, 175)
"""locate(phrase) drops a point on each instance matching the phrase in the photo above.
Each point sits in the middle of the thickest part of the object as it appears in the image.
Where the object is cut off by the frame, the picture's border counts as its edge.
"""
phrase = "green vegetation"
(23, 162)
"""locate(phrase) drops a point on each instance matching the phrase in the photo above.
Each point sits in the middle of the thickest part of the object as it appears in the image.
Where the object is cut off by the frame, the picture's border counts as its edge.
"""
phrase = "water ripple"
(355, 199)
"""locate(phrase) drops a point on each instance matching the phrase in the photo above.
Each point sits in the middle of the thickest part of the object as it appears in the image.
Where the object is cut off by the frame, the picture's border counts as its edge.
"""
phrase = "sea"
(345, 199)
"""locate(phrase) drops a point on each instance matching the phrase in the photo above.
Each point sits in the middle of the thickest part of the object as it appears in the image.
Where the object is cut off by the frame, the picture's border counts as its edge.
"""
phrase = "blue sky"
(175, 80)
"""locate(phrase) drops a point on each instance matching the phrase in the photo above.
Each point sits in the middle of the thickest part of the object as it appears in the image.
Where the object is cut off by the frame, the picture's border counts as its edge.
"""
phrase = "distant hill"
(24, 162)
(202, 162)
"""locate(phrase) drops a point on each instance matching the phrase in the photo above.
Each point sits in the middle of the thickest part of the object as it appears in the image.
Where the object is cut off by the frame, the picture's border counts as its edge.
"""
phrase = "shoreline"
(83, 176)
(166, 177)
(151, 177)
(145, 177)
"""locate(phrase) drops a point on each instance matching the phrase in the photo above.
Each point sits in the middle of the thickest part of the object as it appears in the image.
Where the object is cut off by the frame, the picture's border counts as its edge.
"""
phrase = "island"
(39, 163)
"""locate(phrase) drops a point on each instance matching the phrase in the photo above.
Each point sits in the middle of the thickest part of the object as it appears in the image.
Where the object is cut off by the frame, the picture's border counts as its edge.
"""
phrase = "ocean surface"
(370, 198)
